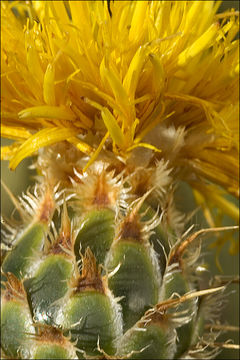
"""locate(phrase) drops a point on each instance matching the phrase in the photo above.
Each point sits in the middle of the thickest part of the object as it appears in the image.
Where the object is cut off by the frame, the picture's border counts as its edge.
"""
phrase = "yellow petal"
(48, 85)
(202, 43)
(7, 152)
(136, 30)
(42, 138)
(214, 196)
(50, 112)
(158, 78)
(113, 127)
(12, 132)
(132, 76)
(118, 90)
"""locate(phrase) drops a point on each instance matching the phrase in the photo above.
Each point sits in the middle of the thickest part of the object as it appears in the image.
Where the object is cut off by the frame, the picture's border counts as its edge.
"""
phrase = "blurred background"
(19, 180)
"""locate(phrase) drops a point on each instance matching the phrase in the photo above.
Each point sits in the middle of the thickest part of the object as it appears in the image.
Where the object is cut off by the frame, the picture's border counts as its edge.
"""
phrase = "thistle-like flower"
(121, 101)
(150, 75)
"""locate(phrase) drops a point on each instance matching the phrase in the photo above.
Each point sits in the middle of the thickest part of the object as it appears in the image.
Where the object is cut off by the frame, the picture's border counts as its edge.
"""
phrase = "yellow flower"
(156, 75)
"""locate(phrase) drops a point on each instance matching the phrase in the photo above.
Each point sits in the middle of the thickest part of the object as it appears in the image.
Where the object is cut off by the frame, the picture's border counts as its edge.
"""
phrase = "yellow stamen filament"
(83, 147)
(145, 145)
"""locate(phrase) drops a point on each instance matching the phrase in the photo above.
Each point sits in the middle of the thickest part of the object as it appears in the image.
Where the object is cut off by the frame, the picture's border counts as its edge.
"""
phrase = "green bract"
(102, 273)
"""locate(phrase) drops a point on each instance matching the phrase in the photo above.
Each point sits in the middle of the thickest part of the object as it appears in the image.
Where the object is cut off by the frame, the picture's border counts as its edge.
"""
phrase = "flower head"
(149, 77)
